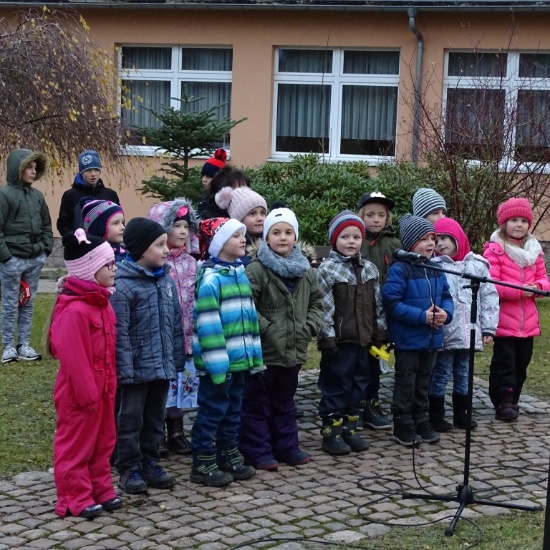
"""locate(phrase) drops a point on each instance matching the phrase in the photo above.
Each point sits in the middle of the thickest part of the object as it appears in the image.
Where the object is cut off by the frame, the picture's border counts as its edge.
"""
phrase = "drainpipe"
(411, 12)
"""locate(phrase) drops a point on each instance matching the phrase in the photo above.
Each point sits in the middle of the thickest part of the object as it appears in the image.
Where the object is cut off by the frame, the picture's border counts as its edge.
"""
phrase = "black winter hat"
(139, 235)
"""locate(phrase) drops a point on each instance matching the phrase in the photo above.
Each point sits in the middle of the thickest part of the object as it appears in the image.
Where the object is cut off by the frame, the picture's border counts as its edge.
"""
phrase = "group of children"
(139, 317)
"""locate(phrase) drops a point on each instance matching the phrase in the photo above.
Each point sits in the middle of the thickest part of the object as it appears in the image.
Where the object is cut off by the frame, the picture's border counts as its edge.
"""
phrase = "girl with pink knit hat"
(516, 257)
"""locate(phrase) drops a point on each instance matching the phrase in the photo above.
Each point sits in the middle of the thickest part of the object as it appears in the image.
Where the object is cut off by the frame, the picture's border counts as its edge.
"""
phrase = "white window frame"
(175, 76)
(336, 80)
(511, 83)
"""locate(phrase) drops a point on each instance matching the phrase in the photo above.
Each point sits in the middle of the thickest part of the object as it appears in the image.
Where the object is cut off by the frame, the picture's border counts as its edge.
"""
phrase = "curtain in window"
(533, 125)
(206, 59)
(211, 94)
(145, 94)
(358, 62)
(146, 58)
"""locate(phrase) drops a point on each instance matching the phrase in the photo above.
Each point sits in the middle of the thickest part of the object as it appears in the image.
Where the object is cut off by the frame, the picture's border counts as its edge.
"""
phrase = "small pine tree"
(184, 133)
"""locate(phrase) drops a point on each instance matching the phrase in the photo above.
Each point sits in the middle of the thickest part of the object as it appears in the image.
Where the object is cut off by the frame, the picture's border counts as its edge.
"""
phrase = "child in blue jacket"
(418, 303)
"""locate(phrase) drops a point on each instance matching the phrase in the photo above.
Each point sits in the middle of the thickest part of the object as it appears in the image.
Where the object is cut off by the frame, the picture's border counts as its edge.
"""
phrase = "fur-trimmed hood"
(19, 160)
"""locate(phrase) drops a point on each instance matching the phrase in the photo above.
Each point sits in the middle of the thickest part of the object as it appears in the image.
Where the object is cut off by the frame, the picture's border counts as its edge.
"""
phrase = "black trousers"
(413, 370)
(508, 370)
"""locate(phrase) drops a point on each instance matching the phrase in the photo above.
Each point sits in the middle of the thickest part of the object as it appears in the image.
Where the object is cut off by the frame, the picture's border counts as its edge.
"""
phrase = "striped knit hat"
(214, 164)
(412, 229)
(96, 215)
(425, 201)
(85, 255)
(342, 220)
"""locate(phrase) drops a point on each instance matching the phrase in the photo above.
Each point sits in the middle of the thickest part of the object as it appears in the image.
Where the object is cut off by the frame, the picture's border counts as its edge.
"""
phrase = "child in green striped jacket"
(226, 348)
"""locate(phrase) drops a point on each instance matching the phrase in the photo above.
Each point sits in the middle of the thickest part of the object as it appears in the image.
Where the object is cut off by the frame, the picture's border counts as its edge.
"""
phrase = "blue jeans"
(452, 362)
(219, 414)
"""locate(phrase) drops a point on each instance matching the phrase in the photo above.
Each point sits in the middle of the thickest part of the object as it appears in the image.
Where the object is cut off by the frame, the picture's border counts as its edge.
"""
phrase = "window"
(339, 103)
(153, 77)
(497, 105)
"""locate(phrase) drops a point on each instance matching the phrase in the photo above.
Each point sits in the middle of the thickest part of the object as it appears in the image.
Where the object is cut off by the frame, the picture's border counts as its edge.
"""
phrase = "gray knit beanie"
(425, 201)
(412, 229)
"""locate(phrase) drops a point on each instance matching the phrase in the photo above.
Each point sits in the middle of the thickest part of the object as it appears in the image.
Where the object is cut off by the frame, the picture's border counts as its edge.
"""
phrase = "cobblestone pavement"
(331, 498)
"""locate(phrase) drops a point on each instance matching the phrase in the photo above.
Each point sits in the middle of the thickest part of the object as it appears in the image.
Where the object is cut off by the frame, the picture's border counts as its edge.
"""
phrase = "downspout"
(411, 12)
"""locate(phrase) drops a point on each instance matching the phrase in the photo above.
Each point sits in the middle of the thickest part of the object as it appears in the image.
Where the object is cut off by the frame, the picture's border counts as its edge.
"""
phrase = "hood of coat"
(448, 226)
(20, 159)
(94, 189)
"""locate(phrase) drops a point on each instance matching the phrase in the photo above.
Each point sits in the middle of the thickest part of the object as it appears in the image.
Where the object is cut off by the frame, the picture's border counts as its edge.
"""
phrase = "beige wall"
(253, 35)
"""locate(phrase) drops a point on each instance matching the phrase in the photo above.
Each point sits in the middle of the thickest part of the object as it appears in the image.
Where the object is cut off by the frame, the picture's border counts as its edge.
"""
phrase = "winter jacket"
(288, 319)
(510, 263)
(409, 291)
(83, 339)
(149, 329)
(352, 301)
(226, 336)
(25, 223)
(183, 267)
(70, 215)
(378, 249)
(457, 332)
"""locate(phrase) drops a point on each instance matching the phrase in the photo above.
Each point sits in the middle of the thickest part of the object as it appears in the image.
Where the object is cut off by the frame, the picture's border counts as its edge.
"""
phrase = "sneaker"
(156, 477)
(26, 353)
(374, 417)
(9, 355)
(206, 472)
(230, 461)
(406, 435)
(298, 458)
(131, 482)
(270, 465)
(426, 432)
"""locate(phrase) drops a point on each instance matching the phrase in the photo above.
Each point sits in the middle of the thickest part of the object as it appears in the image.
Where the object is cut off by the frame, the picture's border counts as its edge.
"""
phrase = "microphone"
(411, 257)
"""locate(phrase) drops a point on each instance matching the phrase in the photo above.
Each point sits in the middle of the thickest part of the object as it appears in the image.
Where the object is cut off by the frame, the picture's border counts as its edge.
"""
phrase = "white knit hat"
(222, 229)
(239, 202)
(279, 215)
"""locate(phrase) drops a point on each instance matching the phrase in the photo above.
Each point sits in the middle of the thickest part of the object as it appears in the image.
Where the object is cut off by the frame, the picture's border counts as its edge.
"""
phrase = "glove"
(330, 354)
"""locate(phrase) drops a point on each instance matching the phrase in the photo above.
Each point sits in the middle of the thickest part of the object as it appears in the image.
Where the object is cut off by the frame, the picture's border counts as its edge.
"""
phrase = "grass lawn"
(27, 420)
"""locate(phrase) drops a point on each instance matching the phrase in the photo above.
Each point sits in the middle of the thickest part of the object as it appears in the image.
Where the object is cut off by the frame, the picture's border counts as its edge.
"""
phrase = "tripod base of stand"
(464, 497)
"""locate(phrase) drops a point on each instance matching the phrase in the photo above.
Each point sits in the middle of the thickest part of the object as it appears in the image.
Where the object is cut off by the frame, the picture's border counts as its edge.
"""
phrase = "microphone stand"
(465, 494)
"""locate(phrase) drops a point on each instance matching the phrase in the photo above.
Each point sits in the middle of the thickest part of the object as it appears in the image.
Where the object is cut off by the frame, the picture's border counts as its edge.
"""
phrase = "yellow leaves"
(84, 24)
(73, 114)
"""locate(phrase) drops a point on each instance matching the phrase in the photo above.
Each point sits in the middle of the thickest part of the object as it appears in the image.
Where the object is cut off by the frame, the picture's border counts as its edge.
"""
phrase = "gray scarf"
(289, 267)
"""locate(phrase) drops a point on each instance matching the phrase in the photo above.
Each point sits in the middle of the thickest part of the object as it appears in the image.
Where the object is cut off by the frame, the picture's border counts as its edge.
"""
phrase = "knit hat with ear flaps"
(412, 229)
(447, 226)
(425, 201)
(87, 160)
(342, 220)
(213, 165)
(239, 202)
(167, 213)
(515, 208)
(215, 232)
(96, 215)
(85, 255)
(279, 215)
(139, 235)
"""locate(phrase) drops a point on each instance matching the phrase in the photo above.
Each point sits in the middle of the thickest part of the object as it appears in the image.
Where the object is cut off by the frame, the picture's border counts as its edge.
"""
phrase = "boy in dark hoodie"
(87, 183)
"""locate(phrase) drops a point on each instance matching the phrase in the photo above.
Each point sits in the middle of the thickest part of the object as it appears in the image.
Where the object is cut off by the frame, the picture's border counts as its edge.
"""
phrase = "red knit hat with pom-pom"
(213, 165)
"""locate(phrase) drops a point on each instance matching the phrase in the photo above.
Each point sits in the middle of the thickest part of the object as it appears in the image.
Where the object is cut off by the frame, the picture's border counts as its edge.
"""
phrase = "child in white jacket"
(453, 359)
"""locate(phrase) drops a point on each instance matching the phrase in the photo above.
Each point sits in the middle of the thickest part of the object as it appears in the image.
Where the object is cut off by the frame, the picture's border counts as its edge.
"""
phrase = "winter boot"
(506, 410)
(332, 437)
(230, 461)
(350, 436)
(460, 418)
(437, 414)
(206, 472)
(424, 428)
(404, 431)
(374, 417)
(176, 441)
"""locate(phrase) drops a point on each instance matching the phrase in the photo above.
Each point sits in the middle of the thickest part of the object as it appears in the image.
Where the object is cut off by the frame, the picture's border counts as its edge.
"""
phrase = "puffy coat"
(519, 316)
(226, 336)
(288, 320)
(150, 343)
(457, 332)
(353, 304)
(25, 223)
(408, 293)
(378, 249)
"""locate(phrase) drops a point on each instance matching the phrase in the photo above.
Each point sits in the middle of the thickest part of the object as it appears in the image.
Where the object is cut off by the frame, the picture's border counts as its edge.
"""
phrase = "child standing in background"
(418, 303)
(248, 207)
(429, 204)
(178, 219)
(82, 337)
(516, 257)
(380, 241)
(150, 351)
(290, 310)
(226, 347)
(353, 319)
(104, 219)
(453, 359)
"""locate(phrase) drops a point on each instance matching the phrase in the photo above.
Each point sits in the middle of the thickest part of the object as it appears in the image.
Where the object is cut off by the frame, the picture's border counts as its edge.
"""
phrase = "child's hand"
(526, 292)
(435, 316)
(487, 340)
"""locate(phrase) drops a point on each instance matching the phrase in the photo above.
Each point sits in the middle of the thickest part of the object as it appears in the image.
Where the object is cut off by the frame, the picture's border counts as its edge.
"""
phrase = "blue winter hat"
(87, 160)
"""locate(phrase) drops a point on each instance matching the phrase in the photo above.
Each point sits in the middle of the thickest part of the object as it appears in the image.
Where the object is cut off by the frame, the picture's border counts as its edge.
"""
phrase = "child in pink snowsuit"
(82, 337)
